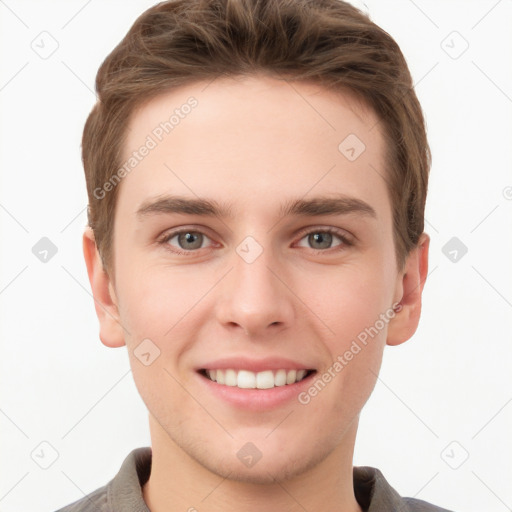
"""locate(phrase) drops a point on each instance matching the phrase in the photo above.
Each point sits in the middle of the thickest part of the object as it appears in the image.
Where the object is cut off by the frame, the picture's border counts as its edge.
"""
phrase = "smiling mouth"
(246, 379)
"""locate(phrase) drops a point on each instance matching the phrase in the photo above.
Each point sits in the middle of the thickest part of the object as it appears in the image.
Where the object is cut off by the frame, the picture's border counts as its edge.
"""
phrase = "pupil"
(189, 239)
(324, 239)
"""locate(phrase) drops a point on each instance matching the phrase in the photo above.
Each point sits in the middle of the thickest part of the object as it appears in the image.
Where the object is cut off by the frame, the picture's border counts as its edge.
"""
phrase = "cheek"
(355, 352)
(349, 300)
(154, 300)
(157, 309)
(356, 307)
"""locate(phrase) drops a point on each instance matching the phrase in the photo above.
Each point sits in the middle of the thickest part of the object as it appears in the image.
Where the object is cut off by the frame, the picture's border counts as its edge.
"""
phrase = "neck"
(179, 483)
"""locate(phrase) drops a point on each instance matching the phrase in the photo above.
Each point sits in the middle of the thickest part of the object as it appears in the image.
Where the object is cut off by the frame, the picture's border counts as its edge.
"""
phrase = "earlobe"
(406, 320)
(111, 331)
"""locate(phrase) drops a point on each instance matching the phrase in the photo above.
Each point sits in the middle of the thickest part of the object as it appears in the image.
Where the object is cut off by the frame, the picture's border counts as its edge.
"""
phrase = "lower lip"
(257, 399)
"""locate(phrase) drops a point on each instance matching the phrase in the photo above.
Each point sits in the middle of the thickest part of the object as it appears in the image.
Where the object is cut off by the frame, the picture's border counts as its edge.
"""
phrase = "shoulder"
(414, 505)
(374, 494)
(95, 501)
(123, 492)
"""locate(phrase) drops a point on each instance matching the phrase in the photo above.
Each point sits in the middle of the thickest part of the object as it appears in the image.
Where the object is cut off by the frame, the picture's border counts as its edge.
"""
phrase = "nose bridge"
(252, 296)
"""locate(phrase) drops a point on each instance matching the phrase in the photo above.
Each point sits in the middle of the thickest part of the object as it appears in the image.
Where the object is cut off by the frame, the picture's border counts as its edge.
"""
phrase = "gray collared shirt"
(124, 492)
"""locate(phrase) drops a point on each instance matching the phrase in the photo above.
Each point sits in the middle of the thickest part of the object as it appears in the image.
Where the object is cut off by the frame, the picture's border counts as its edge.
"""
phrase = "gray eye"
(320, 240)
(189, 240)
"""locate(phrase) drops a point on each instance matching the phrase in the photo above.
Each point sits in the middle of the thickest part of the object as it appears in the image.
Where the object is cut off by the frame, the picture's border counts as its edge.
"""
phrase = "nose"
(255, 297)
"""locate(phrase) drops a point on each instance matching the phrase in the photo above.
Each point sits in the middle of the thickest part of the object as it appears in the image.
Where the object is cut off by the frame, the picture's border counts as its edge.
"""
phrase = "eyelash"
(346, 242)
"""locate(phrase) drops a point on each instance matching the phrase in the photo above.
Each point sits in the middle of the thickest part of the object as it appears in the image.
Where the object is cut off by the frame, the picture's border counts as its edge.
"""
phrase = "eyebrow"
(317, 206)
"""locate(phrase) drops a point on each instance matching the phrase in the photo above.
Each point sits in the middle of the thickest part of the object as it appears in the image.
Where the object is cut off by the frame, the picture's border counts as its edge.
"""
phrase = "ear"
(410, 287)
(105, 302)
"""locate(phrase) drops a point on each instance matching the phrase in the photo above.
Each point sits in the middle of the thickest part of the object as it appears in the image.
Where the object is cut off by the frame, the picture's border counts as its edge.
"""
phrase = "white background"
(451, 382)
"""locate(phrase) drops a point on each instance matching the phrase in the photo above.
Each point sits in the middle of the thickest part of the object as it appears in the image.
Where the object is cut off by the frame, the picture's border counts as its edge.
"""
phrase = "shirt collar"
(371, 489)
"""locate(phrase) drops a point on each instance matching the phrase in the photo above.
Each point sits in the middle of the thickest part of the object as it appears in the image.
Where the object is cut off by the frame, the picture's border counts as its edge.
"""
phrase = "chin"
(271, 468)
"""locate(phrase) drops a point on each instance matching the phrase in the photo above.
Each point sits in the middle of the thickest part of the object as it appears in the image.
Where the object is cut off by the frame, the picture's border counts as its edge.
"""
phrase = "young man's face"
(256, 288)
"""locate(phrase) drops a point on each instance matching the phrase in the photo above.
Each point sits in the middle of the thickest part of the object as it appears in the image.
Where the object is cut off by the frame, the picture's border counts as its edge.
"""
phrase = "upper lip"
(254, 365)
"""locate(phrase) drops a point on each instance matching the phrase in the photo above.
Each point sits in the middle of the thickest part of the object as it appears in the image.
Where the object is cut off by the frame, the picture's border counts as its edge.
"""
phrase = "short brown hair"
(180, 42)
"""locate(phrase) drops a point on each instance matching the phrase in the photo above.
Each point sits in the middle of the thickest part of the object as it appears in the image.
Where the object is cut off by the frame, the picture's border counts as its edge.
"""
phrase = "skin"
(254, 142)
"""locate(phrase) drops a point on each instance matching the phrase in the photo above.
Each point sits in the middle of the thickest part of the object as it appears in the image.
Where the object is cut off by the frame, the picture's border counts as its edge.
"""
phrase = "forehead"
(253, 138)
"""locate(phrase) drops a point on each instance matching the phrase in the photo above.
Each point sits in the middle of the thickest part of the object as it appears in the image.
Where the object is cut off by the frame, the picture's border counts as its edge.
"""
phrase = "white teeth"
(291, 377)
(246, 380)
(280, 378)
(230, 378)
(261, 380)
(265, 380)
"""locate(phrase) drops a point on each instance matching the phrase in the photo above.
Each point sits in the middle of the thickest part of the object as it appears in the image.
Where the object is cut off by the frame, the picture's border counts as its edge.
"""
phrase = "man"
(257, 175)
